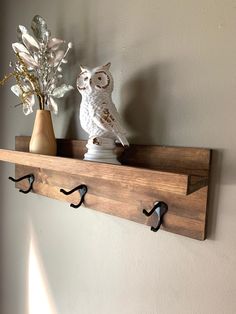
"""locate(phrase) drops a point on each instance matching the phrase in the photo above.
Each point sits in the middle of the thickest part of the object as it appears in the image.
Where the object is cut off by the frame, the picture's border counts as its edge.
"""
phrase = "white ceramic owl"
(98, 114)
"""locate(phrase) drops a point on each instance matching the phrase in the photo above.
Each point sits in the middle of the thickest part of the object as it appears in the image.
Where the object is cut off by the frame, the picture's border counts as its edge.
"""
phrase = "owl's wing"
(107, 120)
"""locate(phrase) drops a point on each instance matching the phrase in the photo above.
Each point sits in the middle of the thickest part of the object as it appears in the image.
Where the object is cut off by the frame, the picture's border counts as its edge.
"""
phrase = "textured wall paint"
(174, 64)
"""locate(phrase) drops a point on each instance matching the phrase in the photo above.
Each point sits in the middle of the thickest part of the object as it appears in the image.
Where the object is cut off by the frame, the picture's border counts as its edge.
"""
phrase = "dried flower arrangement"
(38, 67)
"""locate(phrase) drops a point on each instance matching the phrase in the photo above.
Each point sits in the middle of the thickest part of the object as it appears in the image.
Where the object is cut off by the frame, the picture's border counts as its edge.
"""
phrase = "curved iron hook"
(30, 178)
(160, 208)
(82, 190)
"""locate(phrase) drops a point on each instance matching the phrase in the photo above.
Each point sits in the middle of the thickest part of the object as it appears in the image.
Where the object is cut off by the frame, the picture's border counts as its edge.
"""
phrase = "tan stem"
(6, 77)
(41, 102)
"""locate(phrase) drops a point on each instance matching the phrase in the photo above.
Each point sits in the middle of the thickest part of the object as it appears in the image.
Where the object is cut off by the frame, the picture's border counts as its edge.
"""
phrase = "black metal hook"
(30, 178)
(82, 190)
(160, 208)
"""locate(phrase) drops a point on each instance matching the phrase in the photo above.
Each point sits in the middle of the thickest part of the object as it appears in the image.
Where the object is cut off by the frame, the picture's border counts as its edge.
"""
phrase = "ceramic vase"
(43, 139)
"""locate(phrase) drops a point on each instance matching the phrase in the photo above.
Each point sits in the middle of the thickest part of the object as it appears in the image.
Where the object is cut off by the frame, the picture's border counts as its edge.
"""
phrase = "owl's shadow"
(71, 106)
(145, 101)
(145, 104)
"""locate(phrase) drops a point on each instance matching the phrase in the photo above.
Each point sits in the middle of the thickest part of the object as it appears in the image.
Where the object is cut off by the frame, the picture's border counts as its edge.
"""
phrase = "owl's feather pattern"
(106, 120)
(98, 114)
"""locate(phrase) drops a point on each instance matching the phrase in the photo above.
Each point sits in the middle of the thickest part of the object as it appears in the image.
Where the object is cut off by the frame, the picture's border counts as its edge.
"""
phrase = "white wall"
(174, 65)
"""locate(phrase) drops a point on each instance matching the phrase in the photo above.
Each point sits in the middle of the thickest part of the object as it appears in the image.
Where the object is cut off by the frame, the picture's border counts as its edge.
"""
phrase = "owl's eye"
(101, 79)
(82, 81)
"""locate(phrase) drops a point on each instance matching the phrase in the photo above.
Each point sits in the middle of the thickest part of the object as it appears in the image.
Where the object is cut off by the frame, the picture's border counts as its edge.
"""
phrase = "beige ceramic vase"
(43, 138)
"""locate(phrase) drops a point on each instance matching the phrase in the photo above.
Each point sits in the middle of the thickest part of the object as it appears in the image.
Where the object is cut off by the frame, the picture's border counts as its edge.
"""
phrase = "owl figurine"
(98, 114)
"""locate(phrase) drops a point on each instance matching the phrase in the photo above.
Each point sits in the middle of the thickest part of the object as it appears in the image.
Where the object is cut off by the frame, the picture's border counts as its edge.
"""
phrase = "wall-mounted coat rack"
(176, 177)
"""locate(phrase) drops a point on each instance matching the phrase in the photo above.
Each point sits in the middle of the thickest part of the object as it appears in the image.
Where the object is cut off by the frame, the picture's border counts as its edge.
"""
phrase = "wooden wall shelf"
(175, 175)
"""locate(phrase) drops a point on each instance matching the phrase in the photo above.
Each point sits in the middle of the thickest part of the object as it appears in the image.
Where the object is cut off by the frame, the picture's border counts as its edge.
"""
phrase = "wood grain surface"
(175, 175)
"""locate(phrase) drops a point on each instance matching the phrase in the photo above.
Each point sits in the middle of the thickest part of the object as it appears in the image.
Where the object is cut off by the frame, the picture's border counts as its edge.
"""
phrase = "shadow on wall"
(12, 278)
(146, 102)
(70, 102)
(214, 192)
(145, 98)
(223, 173)
(84, 52)
(2, 198)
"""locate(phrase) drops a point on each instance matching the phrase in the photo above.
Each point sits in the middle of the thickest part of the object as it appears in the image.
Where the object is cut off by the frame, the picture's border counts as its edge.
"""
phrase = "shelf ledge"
(176, 183)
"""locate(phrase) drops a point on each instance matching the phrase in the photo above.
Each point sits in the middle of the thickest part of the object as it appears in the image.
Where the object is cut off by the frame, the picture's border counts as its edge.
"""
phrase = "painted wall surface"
(174, 66)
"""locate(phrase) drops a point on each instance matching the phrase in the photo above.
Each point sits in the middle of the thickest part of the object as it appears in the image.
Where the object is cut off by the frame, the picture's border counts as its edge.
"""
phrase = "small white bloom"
(29, 100)
(27, 109)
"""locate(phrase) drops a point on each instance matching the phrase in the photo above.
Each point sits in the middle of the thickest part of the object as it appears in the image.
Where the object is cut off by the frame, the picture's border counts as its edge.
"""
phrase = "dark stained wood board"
(186, 215)
(127, 198)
